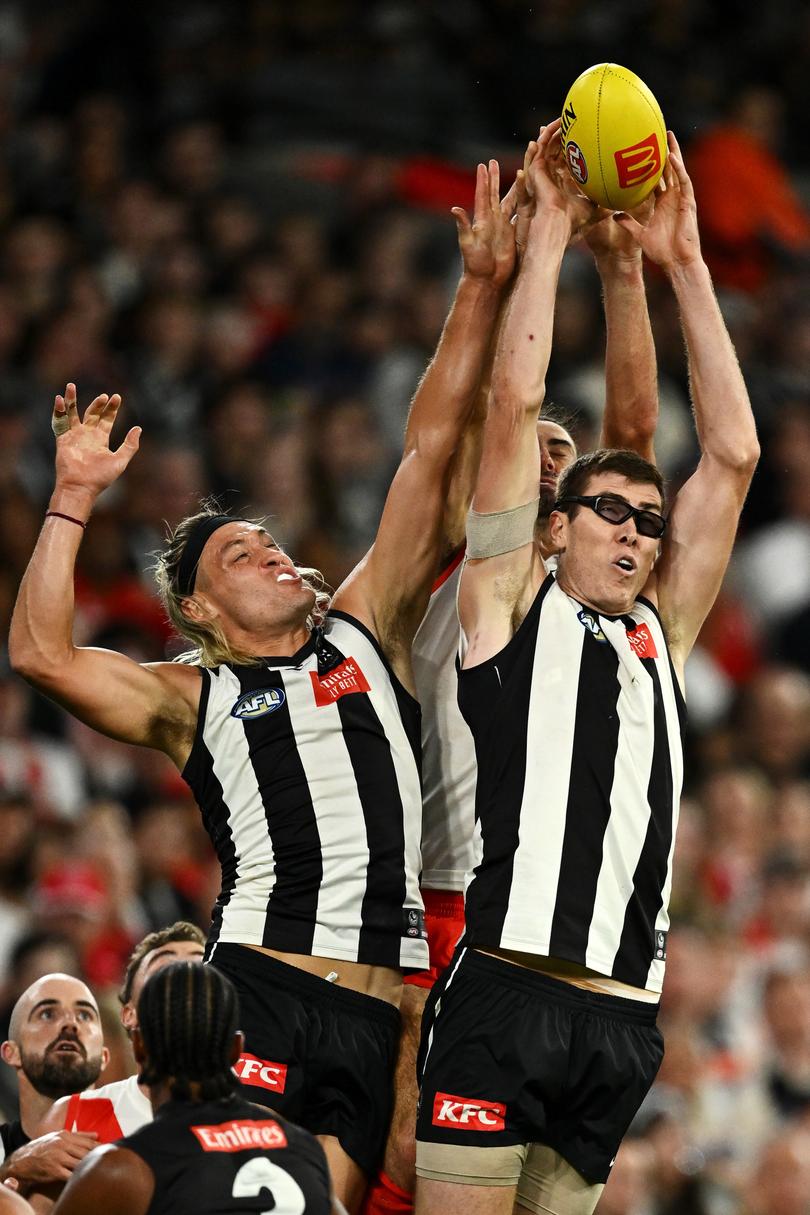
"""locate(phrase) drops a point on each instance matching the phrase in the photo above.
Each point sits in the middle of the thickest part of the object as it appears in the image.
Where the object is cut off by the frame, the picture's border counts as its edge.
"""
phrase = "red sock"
(386, 1198)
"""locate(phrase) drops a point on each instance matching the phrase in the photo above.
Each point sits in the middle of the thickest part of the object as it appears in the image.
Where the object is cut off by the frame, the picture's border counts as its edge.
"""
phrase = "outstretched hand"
(549, 183)
(671, 236)
(487, 242)
(84, 459)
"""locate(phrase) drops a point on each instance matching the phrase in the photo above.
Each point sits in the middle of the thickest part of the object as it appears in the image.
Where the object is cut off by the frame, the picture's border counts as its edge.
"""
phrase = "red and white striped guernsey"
(112, 1111)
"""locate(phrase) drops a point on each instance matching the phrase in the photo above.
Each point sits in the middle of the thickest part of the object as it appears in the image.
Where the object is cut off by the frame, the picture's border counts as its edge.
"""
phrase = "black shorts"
(323, 1056)
(509, 1055)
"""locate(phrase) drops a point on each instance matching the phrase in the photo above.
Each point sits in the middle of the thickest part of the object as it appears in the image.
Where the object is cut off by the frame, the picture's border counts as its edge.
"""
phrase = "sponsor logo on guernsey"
(240, 1136)
(660, 946)
(639, 162)
(261, 1073)
(642, 641)
(576, 162)
(589, 621)
(340, 681)
(257, 704)
(467, 1115)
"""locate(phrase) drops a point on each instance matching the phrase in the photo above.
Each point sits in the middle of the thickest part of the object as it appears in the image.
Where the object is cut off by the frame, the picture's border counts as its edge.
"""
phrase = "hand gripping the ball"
(552, 188)
(670, 237)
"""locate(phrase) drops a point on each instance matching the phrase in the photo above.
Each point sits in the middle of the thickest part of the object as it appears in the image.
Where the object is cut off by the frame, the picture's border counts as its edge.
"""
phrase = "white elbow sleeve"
(500, 531)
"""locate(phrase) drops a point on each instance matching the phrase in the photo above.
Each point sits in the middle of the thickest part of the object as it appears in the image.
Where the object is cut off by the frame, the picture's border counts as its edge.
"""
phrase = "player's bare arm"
(631, 377)
(704, 517)
(113, 1180)
(153, 704)
(389, 589)
(496, 591)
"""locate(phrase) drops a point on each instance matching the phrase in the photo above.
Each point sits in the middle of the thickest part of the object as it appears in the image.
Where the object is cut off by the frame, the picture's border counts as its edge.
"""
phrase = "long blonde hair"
(211, 648)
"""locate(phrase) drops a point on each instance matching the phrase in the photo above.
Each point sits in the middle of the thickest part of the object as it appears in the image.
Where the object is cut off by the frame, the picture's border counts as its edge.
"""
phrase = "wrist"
(620, 266)
(75, 501)
(479, 287)
(549, 233)
(688, 275)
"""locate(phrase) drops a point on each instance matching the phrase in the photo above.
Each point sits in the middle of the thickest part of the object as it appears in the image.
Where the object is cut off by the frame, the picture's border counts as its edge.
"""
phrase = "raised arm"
(704, 517)
(631, 378)
(152, 704)
(390, 587)
(496, 590)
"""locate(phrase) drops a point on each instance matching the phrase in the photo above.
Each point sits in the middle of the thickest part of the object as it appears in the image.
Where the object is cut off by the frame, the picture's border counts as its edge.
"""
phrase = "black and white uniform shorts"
(322, 1056)
(510, 1056)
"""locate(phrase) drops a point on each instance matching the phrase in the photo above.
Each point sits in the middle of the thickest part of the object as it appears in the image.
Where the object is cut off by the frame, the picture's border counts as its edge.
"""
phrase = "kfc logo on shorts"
(639, 162)
(576, 162)
(340, 681)
(641, 641)
(261, 1073)
(467, 1115)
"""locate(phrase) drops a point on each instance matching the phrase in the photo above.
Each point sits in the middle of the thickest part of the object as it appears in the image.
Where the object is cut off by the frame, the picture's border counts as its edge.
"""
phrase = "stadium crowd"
(238, 217)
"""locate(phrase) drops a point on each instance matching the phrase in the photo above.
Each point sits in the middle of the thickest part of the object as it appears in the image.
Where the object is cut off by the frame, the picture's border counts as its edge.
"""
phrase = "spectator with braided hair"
(208, 1150)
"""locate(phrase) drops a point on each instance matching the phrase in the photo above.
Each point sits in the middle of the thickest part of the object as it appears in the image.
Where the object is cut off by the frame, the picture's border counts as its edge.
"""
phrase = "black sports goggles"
(616, 510)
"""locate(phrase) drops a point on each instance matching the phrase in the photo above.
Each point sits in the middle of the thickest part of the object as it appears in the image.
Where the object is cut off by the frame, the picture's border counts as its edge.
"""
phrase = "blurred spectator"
(776, 724)
(749, 212)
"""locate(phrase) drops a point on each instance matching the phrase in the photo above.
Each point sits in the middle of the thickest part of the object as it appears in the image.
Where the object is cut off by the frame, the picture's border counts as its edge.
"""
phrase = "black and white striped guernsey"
(306, 770)
(578, 727)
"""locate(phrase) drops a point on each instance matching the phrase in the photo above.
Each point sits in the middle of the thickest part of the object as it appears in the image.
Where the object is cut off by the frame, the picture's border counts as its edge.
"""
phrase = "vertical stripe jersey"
(448, 750)
(306, 771)
(578, 725)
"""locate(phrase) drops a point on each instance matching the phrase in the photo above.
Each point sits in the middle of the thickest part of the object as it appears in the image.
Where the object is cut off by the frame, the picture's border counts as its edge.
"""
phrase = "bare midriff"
(573, 973)
(381, 982)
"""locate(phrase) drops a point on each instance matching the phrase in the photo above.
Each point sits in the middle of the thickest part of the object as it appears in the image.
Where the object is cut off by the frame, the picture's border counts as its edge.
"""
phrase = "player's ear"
(194, 609)
(10, 1054)
(237, 1046)
(105, 1058)
(558, 529)
(129, 1017)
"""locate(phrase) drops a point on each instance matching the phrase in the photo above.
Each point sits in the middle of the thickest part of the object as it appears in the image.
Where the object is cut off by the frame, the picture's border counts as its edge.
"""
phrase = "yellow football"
(613, 136)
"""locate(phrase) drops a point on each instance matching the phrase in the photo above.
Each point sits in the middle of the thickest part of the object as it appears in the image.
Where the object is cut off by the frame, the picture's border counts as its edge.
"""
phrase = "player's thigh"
(452, 1198)
(349, 1182)
(549, 1185)
(411, 1009)
(400, 1152)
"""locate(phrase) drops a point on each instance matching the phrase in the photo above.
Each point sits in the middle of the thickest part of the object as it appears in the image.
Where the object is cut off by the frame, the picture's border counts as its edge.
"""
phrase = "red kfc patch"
(341, 681)
(261, 1073)
(467, 1115)
(641, 639)
(240, 1136)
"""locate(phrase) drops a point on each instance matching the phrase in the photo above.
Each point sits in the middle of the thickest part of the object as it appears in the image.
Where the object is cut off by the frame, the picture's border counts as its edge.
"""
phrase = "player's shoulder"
(106, 1173)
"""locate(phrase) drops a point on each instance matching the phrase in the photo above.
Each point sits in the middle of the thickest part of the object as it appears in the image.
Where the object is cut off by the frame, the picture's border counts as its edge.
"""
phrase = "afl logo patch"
(257, 704)
(576, 162)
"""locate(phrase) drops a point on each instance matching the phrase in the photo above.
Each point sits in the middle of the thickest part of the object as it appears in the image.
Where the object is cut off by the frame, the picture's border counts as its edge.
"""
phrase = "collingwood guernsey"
(578, 731)
(306, 770)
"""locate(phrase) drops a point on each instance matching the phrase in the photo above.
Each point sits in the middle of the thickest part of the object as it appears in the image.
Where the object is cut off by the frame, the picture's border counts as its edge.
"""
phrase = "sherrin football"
(613, 136)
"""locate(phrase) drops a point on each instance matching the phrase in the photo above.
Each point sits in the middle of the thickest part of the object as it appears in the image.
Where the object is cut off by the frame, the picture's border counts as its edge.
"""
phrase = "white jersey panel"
(448, 749)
